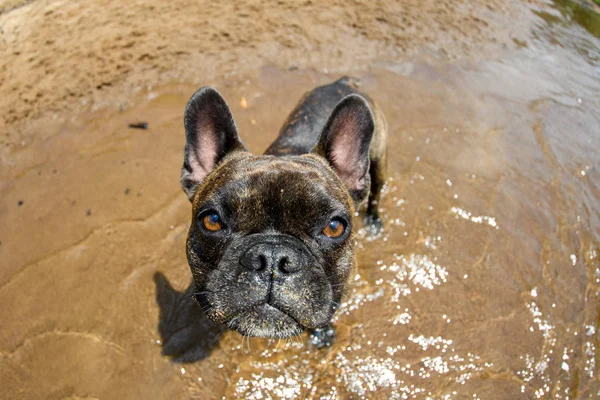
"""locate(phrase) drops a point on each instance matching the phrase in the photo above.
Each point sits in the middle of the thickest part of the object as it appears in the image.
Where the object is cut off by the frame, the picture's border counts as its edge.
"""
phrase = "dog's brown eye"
(212, 222)
(334, 229)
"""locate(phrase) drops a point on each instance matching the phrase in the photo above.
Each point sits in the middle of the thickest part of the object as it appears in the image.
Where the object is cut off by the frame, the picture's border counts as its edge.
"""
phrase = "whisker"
(339, 307)
(206, 308)
(204, 292)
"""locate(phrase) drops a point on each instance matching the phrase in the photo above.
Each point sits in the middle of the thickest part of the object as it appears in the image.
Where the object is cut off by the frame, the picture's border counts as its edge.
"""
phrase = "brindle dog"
(270, 244)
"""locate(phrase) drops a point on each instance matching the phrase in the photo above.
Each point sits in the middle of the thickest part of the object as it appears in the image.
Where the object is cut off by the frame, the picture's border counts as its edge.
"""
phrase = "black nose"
(271, 257)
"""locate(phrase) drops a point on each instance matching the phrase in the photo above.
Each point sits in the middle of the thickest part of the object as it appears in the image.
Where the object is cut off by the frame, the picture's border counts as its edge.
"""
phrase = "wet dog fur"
(266, 263)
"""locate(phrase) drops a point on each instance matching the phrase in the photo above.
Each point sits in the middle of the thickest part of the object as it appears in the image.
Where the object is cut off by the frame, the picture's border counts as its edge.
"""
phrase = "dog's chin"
(266, 321)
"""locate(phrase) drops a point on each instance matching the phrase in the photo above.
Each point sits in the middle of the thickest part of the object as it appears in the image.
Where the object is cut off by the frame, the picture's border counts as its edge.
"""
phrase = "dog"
(270, 245)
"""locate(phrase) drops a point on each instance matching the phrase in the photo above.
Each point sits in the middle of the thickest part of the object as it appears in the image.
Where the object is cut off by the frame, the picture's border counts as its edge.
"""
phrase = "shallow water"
(484, 284)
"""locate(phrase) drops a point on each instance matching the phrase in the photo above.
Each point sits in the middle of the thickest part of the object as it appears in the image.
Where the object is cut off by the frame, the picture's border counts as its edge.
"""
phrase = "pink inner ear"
(344, 155)
(202, 159)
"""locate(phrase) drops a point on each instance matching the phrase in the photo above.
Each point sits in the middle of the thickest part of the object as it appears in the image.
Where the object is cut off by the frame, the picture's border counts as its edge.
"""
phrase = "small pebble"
(20, 203)
(88, 212)
(139, 125)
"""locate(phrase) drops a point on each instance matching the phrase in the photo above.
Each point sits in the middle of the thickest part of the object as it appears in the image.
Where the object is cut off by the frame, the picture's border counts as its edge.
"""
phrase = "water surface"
(484, 284)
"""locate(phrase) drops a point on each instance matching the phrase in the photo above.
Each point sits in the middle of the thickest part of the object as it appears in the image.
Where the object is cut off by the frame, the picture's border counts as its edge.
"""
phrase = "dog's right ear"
(210, 134)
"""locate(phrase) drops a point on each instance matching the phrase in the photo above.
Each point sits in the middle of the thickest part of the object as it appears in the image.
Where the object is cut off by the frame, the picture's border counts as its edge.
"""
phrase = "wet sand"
(58, 56)
(484, 284)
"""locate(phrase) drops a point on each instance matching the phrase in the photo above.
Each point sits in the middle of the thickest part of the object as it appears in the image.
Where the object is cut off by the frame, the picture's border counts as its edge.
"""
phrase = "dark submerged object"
(139, 125)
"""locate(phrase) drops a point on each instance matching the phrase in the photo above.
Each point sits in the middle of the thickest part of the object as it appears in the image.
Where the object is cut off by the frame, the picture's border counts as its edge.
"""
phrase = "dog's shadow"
(187, 335)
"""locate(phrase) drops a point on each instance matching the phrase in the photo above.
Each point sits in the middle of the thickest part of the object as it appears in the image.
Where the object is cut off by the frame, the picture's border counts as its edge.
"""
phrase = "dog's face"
(270, 243)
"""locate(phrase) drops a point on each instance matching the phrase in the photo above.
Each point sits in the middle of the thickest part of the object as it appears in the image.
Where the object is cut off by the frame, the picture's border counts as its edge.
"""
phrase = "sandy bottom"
(484, 284)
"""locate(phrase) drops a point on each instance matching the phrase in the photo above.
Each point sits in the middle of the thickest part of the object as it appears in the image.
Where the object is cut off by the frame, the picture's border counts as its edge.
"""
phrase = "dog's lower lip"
(266, 308)
(266, 320)
(269, 308)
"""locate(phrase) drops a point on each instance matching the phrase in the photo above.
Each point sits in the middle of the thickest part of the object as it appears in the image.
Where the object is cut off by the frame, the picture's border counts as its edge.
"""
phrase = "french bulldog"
(270, 245)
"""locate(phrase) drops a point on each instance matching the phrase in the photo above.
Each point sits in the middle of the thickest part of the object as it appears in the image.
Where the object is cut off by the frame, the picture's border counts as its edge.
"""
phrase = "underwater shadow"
(186, 333)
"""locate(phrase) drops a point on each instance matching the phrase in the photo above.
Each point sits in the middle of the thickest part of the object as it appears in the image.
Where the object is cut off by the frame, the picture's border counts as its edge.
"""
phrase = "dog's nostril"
(266, 256)
(283, 264)
(288, 265)
(262, 262)
(256, 259)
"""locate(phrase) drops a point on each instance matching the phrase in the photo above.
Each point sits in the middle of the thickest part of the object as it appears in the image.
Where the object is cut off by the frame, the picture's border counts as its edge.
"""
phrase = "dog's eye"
(212, 222)
(334, 229)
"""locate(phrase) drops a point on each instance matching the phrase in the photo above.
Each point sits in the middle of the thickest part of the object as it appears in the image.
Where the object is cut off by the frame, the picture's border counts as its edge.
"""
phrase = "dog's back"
(302, 129)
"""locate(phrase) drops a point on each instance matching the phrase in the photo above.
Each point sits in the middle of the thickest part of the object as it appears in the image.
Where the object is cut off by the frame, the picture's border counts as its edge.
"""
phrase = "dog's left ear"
(345, 143)
(210, 134)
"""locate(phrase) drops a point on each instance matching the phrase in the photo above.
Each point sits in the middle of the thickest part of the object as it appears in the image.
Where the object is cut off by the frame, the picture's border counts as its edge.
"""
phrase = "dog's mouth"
(267, 321)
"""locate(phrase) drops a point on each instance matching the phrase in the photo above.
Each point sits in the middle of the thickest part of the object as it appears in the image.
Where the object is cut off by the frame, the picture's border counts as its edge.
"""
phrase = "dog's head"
(270, 243)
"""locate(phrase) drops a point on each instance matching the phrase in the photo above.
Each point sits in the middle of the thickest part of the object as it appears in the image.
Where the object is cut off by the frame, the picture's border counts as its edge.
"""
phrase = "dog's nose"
(273, 257)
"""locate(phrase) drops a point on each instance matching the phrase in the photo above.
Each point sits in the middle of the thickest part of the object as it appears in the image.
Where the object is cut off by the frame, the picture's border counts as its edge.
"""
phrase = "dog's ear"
(210, 134)
(345, 143)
